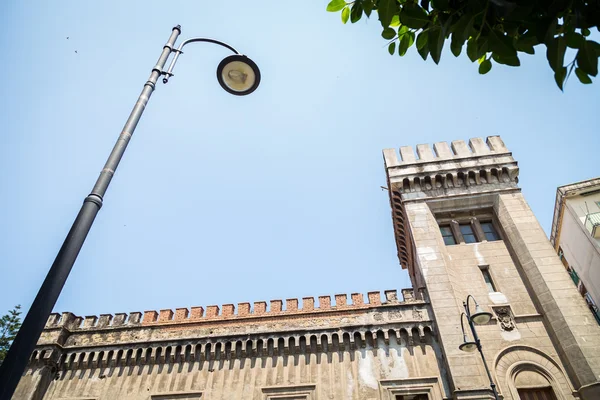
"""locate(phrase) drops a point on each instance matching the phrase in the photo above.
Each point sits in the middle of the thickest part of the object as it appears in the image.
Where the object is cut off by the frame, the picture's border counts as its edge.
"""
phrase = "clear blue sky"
(221, 199)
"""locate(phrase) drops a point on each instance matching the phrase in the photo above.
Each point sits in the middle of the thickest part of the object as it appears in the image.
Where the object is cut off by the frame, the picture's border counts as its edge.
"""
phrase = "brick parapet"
(79, 344)
(228, 312)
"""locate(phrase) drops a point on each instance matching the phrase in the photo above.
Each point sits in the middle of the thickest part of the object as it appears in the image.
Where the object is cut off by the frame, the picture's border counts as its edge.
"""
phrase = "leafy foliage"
(493, 30)
(9, 326)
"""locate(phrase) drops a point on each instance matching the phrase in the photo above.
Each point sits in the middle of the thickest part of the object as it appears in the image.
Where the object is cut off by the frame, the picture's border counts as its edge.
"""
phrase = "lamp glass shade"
(481, 317)
(238, 75)
(468, 347)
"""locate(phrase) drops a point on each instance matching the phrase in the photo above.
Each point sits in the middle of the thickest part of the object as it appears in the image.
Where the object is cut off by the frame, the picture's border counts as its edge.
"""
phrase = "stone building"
(462, 228)
(576, 237)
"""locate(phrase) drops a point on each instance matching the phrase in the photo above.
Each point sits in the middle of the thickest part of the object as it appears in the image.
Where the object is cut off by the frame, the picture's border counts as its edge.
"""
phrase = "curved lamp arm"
(169, 72)
(467, 308)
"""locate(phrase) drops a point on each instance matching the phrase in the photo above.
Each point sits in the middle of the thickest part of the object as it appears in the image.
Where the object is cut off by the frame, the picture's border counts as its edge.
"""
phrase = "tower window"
(447, 235)
(467, 227)
(487, 277)
(489, 231)
(467, 233)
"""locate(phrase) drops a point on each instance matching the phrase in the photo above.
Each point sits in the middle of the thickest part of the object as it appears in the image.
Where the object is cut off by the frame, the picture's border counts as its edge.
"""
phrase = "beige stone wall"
(342, 374)
(452, 273)
(574, 332)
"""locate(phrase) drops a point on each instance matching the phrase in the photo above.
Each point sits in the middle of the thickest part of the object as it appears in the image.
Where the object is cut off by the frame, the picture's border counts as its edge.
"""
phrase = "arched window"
(532, 383)
(527, 373)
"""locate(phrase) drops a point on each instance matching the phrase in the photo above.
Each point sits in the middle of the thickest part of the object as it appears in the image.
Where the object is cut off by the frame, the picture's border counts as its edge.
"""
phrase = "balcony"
(592, 223)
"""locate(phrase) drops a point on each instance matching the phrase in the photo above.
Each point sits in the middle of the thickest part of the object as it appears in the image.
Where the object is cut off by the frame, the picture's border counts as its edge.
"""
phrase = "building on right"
(576, 237)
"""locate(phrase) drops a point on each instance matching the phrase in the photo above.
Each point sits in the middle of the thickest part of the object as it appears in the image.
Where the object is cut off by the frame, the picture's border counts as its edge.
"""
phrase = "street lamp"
(480, 317)
(237, 74)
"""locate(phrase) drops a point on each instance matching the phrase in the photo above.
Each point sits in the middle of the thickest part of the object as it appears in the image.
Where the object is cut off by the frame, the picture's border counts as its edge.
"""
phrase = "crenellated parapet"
(451, 170)
(228, 312)
(185, 334)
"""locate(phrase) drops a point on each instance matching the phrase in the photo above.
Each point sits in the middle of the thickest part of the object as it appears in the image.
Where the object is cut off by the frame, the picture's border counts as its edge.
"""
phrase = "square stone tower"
(462, 228)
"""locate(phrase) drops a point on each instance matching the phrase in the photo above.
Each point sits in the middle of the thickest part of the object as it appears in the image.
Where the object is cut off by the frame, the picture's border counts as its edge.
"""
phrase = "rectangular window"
(467, 233)
(485, 271)
(447, 235)
(489, 231)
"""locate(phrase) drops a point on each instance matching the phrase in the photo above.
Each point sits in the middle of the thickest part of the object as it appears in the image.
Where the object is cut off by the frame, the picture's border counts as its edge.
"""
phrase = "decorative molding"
(430, 386)
(230, 347)
(291, 392)
(176, 396)
(505, 317)
(513, 359)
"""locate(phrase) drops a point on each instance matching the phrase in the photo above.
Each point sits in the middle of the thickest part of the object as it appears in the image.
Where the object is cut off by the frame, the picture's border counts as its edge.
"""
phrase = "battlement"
(482, 166)
(228, 311)
(458, 149)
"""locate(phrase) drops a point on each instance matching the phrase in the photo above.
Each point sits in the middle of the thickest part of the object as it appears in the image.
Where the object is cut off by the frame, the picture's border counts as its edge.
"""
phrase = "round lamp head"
(480, 317)
(238, 75)
(468, 347)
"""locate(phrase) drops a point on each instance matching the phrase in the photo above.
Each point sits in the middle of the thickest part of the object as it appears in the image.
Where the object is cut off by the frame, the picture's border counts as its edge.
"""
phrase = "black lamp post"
(237, 74)
(480, 317)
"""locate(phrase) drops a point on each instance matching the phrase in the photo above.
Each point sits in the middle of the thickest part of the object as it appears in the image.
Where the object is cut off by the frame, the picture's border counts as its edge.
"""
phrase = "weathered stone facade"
(350, 350)
(462, 227)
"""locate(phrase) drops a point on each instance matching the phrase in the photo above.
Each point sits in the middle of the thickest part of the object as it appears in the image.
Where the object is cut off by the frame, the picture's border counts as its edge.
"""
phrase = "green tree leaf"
(472, 49)
(485, 67)
(356, 12)
(482, 46)
(510, 61)
(501, 44)
(388, 33)
(345, 14)
(556, 52)
(582, 76)
(551, 31)
(424, 51)
(526, 42)
(336, 5)
(386, 10)
(460, 33)
(587, 58)
(407, 40)
(456, 48)
(392, 48)
(421, 40)
(559, 76)
(413, 16)
(442, 5)
(462, 29)
(436, 43)
(496, 31)
(368, 6)
(575, 40)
